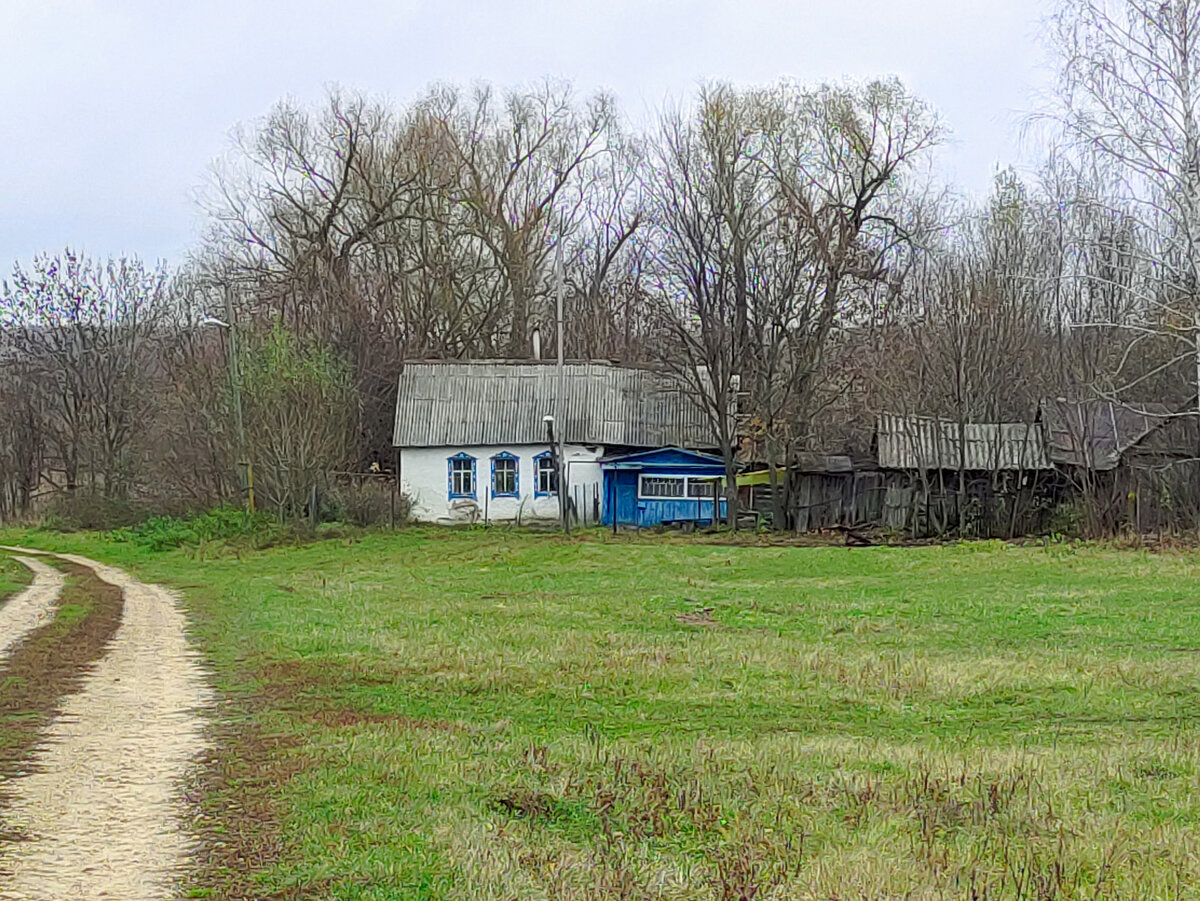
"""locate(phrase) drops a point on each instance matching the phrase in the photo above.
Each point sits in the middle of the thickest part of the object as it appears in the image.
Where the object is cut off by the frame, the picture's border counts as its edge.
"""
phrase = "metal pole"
(559, 400)
(236, 383)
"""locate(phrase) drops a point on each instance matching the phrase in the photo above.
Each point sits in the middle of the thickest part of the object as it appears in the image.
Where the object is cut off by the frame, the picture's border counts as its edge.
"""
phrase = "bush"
(367, 504)
(1067, 520)
(82, 511)
(160, 533)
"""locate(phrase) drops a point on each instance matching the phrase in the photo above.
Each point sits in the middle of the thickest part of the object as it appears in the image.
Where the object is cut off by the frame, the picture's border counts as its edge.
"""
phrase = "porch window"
(702, 488)
(547, 478)
(462, 476)
(661, 486)
(505, 476)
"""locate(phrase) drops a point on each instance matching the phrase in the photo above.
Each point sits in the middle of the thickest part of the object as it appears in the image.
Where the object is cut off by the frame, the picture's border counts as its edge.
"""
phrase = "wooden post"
(395, 484)
(557, 463)
(613, 500)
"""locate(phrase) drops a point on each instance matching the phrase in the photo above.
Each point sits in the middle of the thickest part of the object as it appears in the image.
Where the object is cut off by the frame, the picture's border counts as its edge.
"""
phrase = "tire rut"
(30, 608)
(102, 808)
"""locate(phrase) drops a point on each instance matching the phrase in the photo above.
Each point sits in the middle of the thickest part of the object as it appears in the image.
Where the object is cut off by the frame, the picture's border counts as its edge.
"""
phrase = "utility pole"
(556, 462)
(235, 381)
(560, 399)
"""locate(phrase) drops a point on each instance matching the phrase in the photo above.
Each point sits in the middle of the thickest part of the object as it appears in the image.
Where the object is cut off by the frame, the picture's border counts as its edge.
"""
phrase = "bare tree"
(22, 443)
(607, 255)
(711, 195)
(780, 213)
(1129, 84)
(842, 156)
(313, 223)
(517, 157)
(85, 335)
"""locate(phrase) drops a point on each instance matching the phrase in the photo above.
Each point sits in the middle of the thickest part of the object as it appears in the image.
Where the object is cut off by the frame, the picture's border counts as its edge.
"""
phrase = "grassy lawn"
(461, 715)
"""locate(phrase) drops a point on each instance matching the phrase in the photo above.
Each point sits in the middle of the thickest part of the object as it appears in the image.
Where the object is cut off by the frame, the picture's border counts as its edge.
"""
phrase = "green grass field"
(462, 715)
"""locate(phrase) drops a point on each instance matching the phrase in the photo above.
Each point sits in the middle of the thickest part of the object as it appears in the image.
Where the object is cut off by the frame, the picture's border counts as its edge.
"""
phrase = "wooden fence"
(919, 505)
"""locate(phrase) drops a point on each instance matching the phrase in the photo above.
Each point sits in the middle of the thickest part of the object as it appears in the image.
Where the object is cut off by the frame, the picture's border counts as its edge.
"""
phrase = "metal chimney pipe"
(537, 343)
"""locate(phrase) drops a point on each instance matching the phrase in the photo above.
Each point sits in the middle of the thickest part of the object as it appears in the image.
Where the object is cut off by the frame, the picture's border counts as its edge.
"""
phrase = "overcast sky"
(110, 110)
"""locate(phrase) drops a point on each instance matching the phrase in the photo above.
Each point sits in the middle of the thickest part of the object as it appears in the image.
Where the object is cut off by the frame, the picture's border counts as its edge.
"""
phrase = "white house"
(472, 445)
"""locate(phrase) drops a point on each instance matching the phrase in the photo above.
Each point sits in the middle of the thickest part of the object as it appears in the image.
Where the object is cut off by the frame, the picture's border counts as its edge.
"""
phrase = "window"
(661, 486)
(547, 478)
(666, 487)
(462, 476)
(505, 476)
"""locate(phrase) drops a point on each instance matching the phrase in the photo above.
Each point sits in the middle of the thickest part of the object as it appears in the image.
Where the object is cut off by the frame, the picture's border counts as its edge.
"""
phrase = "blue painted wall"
(621, 488)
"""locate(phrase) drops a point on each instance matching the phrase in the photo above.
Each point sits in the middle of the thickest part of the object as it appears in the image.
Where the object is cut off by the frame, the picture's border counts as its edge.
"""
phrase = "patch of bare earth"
(702, 618)
(101, 807)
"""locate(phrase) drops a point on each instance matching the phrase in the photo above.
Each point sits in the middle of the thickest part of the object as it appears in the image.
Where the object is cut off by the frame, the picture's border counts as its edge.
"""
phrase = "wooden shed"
(980, 479)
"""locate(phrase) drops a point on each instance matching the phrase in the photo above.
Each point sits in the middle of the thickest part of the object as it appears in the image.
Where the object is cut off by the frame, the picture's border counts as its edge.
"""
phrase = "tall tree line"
(787, 252)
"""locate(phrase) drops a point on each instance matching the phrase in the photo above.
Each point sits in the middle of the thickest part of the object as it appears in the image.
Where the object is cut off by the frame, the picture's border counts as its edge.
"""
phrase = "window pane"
(547, 478)
(662, 486)
(462, 476)
(697, 488)
(504, 480)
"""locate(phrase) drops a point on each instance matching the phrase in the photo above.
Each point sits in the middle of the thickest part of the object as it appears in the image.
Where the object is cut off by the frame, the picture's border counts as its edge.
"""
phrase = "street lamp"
(235, 382)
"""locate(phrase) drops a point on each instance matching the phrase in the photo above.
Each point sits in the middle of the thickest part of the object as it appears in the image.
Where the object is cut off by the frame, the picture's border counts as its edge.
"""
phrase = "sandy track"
(32, 607)
(103, 808)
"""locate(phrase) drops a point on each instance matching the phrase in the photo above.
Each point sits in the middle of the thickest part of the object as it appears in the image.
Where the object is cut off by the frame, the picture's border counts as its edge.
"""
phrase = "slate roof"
(1098, 433)
(454, 404)
(817, 463)
(925, 442)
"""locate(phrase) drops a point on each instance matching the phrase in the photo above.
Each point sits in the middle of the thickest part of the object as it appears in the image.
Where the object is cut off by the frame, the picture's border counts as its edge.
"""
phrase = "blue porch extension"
(667, 485)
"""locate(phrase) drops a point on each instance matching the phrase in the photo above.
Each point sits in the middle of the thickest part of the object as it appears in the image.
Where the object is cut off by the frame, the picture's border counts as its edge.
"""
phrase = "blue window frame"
(506, 475)
(461, 476)
(545, 479)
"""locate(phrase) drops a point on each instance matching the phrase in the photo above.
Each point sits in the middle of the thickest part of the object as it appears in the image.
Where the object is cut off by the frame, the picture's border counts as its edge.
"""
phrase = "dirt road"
(102, 807)
(31, 608)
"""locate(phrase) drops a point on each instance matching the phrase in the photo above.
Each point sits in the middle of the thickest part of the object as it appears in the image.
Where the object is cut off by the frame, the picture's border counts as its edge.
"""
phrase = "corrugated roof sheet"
(1097, 433)
(834, 464)
(448, 404)
(922, 442)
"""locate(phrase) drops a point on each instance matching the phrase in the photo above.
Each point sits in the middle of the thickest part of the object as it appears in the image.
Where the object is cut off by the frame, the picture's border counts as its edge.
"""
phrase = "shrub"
(80, 511)
(160, 533)
(1067, 520)
(367, 504)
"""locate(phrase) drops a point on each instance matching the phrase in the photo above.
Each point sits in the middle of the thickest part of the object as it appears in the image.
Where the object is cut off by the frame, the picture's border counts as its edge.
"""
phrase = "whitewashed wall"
(424, 479)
